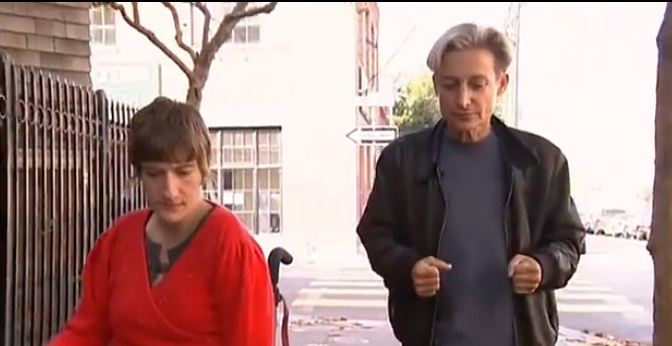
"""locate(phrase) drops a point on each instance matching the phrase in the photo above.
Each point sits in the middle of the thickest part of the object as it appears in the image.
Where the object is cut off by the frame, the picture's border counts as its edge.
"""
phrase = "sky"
(587, 80)
(408, 30)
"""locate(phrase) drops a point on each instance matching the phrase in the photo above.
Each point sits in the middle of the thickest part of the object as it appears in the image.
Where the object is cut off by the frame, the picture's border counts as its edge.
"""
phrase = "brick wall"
(368, 53)
(51, 35)
(368, 60)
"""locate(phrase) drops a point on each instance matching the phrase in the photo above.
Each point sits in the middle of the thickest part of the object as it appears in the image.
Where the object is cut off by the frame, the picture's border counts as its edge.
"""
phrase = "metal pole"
(192, 34)
(516, 109)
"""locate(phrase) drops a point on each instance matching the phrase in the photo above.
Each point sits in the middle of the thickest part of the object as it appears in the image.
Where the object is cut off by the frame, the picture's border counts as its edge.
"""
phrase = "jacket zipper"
(507, 242)
(438, 251)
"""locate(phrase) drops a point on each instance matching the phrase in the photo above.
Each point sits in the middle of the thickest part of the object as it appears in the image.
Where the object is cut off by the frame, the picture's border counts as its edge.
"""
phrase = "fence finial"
(4, 56)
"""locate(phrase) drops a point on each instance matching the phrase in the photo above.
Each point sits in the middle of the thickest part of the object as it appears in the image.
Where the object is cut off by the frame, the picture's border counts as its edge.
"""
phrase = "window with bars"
(246, 176)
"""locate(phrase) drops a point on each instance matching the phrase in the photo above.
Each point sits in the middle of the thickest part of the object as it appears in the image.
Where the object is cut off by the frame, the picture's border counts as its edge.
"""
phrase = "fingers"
(427, 287)
(521, 264)
(439, 264)
(431, 266)
(428, 282)
(527, 279)
(427, 276)
(525, 274)
(526, 267)
(426, 292)
(525, 285)
(515, 261)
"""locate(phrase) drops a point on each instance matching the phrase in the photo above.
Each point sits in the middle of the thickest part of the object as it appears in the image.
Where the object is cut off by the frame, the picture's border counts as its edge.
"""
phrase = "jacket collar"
(517, 152)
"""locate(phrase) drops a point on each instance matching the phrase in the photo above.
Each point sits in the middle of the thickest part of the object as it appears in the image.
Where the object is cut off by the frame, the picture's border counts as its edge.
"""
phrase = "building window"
(248, 30)
(246, 33)
(246, 176)
(103, 27)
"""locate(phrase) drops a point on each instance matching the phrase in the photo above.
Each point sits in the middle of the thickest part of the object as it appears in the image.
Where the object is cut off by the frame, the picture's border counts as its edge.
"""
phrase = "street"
(611, 293)
(344, 307)
(613, 290)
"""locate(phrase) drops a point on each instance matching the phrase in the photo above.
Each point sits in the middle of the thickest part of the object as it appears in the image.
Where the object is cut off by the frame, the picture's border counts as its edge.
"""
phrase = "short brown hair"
(169, 131)
(471, 36)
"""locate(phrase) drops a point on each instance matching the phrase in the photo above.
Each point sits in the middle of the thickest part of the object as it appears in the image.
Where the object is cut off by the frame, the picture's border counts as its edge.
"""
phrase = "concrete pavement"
(621, 271)
(317, 317)
(611, 293)
(348, 307)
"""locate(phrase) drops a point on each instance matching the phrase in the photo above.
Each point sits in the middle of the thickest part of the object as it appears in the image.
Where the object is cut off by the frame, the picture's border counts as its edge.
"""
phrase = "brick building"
(368, 84)
(50, 35)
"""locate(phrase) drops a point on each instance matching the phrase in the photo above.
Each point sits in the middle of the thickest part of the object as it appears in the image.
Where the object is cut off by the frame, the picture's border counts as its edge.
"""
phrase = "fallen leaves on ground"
(341, 323)
(609, 340)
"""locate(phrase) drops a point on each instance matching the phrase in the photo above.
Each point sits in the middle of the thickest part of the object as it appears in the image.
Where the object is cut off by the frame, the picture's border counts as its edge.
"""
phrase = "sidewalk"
(331, 265)
(341, 331)
(569, 337)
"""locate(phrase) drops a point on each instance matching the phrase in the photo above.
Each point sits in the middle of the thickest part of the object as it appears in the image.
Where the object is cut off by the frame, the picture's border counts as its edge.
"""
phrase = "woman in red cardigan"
(184, 272)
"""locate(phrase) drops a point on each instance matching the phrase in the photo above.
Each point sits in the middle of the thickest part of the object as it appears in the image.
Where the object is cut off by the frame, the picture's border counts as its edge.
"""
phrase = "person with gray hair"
(471, 224)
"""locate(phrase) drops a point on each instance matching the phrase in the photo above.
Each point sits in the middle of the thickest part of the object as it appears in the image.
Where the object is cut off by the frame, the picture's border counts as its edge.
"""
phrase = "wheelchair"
(277, 257)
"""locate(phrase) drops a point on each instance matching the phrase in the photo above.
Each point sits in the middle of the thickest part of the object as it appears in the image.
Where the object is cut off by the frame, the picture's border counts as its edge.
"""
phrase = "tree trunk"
(660, 242)
(197, 82)
(194, 95)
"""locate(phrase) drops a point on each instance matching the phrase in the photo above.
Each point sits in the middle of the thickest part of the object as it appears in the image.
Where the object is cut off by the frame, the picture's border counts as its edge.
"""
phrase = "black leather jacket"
(403, 220)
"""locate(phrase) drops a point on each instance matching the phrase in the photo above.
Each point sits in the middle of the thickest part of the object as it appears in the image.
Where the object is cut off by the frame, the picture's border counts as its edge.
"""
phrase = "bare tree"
(661, 226)
(198, 70)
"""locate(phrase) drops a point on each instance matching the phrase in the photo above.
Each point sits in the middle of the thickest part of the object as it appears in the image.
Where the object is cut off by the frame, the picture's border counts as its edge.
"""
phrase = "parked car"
(603, 227)
(622, 230)
(641, 232)
(589, 227)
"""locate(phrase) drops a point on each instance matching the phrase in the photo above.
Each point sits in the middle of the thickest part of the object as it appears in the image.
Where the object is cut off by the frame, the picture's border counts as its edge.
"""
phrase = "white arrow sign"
(373, 134)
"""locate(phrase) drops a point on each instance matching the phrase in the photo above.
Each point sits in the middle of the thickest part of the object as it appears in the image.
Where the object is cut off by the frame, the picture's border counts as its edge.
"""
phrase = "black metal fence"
(64, 177)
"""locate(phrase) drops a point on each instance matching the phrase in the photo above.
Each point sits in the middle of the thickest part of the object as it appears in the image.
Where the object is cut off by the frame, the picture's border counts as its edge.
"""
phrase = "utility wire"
(401, 45)
(397, 49)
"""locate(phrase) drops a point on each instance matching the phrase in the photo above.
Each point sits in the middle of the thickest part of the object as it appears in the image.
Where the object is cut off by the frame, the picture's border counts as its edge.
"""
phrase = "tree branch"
(136, 12)
(150, 35)
(241, 11)
(207, 19)
(223, 33)
(179, 35)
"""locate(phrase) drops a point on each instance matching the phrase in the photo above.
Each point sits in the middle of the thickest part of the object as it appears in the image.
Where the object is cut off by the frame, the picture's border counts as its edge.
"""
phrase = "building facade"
(50, 35)
(280, 100)
(368, 86)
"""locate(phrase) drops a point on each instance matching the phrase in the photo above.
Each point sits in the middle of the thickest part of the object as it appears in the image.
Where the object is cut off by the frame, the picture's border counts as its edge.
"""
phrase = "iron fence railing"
(64, 177)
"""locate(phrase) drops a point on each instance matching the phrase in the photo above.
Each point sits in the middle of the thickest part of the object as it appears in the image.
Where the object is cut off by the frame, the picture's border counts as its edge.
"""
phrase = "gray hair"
(471, 36)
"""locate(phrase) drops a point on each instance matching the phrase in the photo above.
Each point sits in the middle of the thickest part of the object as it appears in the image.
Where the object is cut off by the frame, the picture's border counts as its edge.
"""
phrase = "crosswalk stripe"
(343, 303)
(319, 291)
(570, 289)
(598, 308)
(580, 282)
(587, 296)
(375, 303)
(375, 284)
(347, 291)
(346, 284)
(374, 295)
